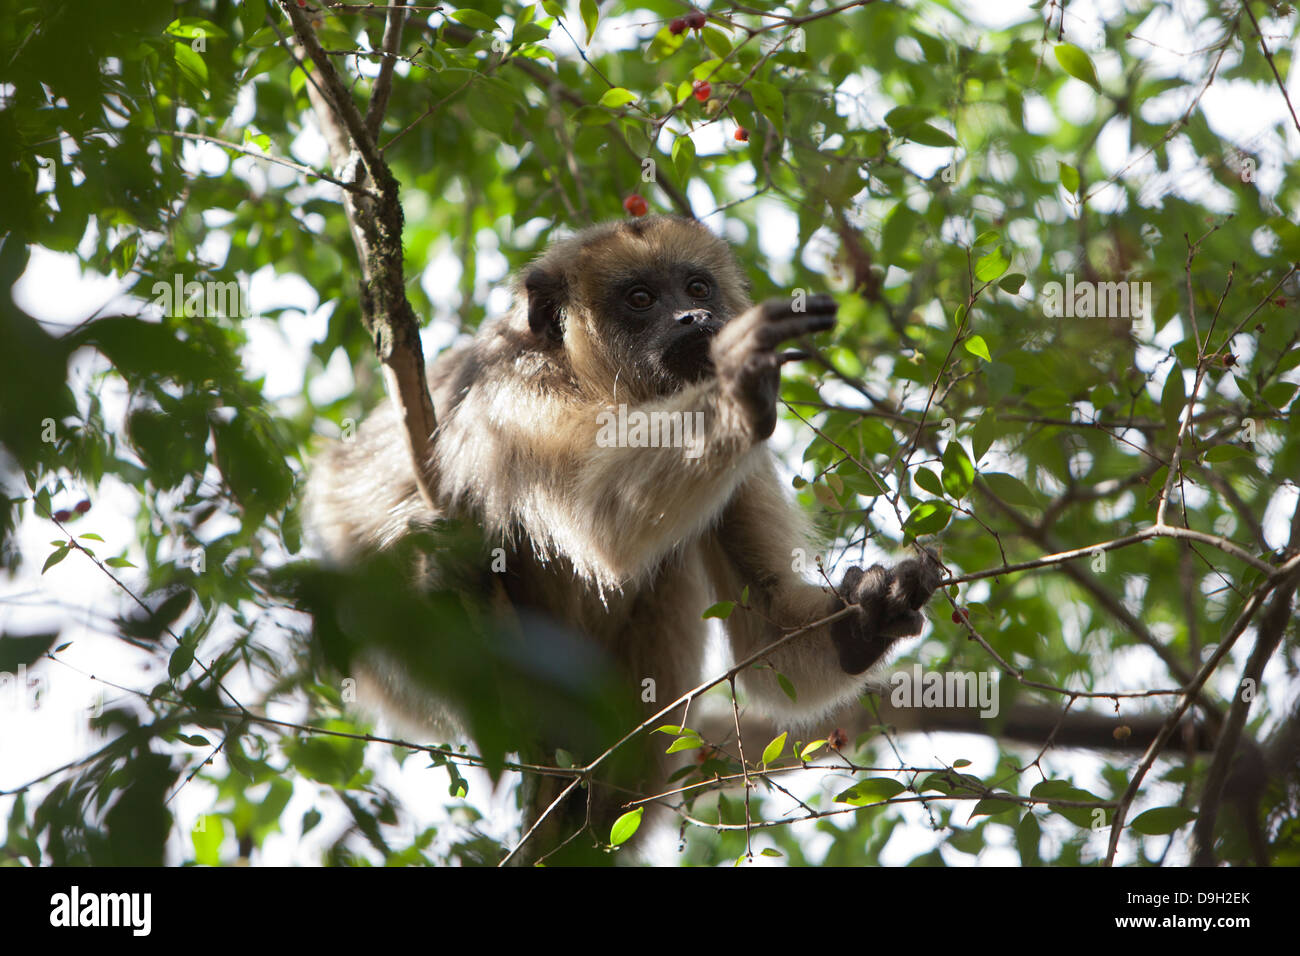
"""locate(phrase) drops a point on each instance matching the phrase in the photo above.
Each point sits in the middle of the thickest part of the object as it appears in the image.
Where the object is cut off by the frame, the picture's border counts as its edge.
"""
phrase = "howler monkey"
(608, 435)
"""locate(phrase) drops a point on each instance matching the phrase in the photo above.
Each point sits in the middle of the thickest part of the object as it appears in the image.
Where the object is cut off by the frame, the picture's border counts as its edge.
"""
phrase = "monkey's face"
(662, 318)
(637, 303)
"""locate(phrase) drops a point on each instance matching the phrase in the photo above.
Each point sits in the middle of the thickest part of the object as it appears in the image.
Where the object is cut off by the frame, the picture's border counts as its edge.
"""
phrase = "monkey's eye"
(640, 298)
(698, 288)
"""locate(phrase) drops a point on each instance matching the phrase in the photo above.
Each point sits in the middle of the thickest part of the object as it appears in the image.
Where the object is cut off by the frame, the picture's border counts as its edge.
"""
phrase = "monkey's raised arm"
(760, 537)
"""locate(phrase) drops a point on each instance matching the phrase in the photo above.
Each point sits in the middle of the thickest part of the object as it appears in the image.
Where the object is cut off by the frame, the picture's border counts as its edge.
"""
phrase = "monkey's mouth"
(688, 358)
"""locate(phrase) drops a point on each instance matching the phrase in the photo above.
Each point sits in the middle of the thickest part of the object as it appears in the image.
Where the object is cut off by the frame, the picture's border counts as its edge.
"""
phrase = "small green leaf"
(929, 481)
(811, 748)
(992, 807)
(929, 517)
(976, 346)
(626, 825)
(786, 686)
(1012, 282)
(769, 851)
(476, 20)
(683, 156)
(722, 610)
(1226, 453)
(958, 472)
(775, 748)
(590, 16)
(616, 97)
(55, 557)
(991, 266)
(90, 536)
(1162, 820)
(118, 563)
(871, 790)
(1069, 176)
(180, 661)
(684, 743)
(1077, 63)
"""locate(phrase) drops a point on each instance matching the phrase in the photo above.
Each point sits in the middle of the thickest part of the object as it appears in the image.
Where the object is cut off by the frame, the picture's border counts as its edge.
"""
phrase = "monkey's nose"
(694, 317)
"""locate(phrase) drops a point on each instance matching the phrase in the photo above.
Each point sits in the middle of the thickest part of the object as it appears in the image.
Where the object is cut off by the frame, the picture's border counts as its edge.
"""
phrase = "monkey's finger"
(795, 355)
(805, 323)
(773, 310)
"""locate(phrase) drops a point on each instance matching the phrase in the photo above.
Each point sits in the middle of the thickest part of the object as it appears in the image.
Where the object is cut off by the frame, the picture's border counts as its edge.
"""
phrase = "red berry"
(838, 739)
(741, 134)
(82, 507)
(696, 20)
(677, 26)
(62, 514)
(702, 90)
(959, 615)
(636, 205)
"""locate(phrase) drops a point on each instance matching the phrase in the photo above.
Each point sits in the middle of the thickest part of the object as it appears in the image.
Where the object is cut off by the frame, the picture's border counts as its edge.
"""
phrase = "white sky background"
(79, 599)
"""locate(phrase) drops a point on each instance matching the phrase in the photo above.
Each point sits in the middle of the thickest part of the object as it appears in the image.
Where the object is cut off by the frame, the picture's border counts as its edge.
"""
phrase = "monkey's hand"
(745, 357)
(890, 602)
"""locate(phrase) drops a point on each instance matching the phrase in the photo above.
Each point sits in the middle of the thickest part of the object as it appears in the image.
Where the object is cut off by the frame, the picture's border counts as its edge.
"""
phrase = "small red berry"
(741, 134)
(959, 615)
(696, 20)
(702, 90)
(677, 26)
(636, 205)
(1279, 302)
(62, 514)
(82, 507)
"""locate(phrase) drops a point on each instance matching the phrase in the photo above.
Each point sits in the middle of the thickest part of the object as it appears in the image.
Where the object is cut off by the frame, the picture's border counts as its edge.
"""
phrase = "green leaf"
(1012, 283)
(1226, 453)
(722, 610)
(992, 807)
(1011, 489)
(769, 851)
(626, 825)
(1162, 820)
(616, 97)
(590, 16)
(717, 41)
(1173, 399)
(190, 28)
(958, 472)
(180, 660)
(926, 135)
(683, 156)
(118, 563)
(769, 101)
(929, 481)
(811, 748)
(929, 517)
(207, 837)
(476, 20)
(1069, 176)
(192, 66)
(1077, 63)
(775, 748)
(786, 686)
(976, 346)
(871, 790)
(684, 743)
(989, 267)
(56, 556)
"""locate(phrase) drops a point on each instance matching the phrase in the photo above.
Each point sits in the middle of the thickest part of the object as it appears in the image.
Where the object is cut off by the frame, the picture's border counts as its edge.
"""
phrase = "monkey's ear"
(546, 295)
